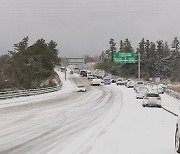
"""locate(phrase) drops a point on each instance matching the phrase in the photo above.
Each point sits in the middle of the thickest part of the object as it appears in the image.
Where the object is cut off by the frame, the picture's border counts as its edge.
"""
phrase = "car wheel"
(144, 105)
(159, 106)
(177, 141)
(137, 97)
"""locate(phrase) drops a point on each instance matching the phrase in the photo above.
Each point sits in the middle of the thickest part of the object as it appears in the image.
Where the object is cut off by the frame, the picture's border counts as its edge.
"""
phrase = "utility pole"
(139, 65)
(65, 67)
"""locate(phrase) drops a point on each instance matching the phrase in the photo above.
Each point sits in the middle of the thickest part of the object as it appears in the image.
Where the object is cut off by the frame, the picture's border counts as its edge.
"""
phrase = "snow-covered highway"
(103, 120)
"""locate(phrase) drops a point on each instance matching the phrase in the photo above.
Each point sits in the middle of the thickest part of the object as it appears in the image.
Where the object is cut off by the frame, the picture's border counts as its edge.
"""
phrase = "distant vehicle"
(107, 81)
(141, 92)
(76, 69)
(160, 89)
(119, 81)
(96, 82)
(125, 83)
(90, 76)
(71, 72)
(88, 72)
(137, 84)
(130, 84)
(83, 73)
(152, 99)
(113, 81)
(99, 73)
(177, 135)
(81, 88)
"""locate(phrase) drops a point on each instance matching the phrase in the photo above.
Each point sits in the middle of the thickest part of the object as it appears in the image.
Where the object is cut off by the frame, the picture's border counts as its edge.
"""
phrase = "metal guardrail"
(173, 93)
(28, 92)
(167, 110)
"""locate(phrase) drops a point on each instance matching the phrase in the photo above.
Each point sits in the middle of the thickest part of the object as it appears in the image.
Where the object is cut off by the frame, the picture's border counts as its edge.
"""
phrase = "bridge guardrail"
(28, 92)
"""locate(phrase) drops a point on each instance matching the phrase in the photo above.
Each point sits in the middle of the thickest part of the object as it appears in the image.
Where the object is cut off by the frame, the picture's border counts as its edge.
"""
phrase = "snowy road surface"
(103, 120)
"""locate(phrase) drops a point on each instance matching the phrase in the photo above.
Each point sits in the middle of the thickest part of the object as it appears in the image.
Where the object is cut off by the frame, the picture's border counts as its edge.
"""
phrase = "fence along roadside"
(28, 92)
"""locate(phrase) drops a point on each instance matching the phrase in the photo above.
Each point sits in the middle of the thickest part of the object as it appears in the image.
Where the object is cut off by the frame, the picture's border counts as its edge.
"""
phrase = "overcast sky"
(82, 27)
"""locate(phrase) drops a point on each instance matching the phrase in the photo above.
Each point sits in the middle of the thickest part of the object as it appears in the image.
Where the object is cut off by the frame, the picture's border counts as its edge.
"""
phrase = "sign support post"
(139, 65)
(65, 67)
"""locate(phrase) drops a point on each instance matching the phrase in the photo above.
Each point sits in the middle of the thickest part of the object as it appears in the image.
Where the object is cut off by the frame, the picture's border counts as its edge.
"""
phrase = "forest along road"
(49, 126)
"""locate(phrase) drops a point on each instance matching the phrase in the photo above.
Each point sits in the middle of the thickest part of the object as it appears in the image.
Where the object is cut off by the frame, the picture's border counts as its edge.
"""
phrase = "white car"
(137, 84)
(81, 88)
(152, 99)
(96, 82)
(125, 82)
(130, 84)
(119, 81)
(90, 76)
(160, 89)
(177, 135)
(141, 92)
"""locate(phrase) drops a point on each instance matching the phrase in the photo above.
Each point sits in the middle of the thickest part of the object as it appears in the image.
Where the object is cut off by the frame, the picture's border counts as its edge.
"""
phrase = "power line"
(90, 3)
(95, 14)
(84, 7)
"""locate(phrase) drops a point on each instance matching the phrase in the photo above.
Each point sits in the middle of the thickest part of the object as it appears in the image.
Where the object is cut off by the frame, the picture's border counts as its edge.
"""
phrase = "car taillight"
(158, 98)
(146, 98)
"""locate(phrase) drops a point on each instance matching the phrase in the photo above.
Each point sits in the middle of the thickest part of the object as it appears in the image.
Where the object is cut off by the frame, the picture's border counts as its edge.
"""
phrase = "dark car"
(83, 73)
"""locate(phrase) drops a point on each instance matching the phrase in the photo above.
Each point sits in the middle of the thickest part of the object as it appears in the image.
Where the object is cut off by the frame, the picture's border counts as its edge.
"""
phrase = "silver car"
(130, 84)
(141, 92)
(152, 99)
(137, 84)
(81, 88)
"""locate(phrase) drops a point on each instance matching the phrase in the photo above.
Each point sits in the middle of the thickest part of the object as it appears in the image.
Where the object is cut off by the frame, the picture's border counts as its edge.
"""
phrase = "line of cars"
(150, 96)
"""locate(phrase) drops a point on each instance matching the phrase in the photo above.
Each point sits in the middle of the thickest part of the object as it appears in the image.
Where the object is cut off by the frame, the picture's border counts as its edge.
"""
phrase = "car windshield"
(152, 95)
(81, 86)
(142, 88)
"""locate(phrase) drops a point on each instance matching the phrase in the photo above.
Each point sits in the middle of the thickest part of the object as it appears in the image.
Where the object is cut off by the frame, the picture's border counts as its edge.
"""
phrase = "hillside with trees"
(28, 66)
(156, 57)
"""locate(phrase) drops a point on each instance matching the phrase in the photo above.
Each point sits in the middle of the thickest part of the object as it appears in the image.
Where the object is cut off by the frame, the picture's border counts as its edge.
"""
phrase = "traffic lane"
(34, 104)
(81, 80)
(11, 110)
(86, 140)
(51, 122)
(138, 129)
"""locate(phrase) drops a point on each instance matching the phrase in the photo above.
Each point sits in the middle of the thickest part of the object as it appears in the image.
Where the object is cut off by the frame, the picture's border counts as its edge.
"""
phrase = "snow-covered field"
(104, 120)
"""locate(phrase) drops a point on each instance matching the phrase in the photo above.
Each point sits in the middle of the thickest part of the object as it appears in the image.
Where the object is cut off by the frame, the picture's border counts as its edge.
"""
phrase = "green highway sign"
(124, 57)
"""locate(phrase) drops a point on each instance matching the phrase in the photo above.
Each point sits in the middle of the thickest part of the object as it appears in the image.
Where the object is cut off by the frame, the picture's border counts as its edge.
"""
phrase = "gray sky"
(81, 27)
